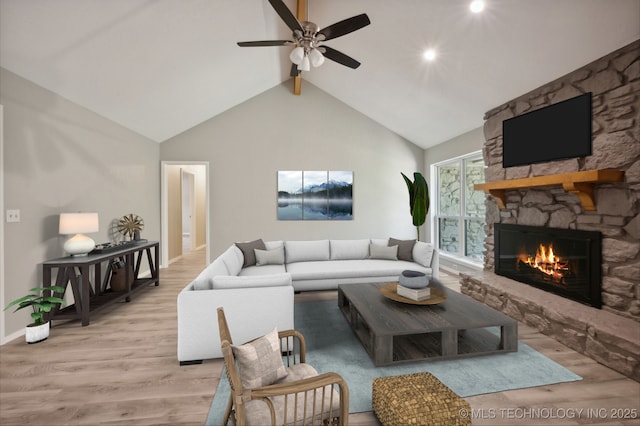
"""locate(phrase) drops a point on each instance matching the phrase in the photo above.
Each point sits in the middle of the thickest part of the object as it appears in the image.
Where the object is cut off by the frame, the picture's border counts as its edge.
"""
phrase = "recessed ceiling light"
(429, 54)
(476, 6)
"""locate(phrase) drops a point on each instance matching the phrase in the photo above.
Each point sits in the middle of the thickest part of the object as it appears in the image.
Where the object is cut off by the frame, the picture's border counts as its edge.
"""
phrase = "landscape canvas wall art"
(315, 195)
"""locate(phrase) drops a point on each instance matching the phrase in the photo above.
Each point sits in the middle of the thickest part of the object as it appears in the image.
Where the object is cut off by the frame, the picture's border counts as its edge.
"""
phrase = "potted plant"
(418, 199)
(41, 304)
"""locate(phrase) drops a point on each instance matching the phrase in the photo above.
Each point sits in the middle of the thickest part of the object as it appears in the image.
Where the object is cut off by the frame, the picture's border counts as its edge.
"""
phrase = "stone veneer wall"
(614, 81)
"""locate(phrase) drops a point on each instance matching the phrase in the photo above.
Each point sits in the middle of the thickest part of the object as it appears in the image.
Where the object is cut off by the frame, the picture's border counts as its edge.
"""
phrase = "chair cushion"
(383, 252)
(269, 257)
(405, 248)
(260, 361)
(247, 250)
(257, 412)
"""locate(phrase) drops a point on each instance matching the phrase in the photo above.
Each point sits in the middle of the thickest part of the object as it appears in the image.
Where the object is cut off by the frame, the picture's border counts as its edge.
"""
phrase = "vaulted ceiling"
(160, 67)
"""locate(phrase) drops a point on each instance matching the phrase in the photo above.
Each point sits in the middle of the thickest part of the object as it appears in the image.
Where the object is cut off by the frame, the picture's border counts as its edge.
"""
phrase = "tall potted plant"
(40, 304)
(418, 199)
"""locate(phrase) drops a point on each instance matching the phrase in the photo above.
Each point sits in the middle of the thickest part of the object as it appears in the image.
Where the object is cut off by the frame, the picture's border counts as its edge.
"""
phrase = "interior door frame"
(164, 223)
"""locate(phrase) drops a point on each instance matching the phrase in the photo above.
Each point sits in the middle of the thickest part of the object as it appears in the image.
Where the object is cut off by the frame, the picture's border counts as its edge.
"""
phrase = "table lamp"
(78, 223)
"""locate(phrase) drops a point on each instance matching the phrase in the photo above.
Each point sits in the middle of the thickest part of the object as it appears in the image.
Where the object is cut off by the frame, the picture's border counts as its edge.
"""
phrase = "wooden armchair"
(302, 397)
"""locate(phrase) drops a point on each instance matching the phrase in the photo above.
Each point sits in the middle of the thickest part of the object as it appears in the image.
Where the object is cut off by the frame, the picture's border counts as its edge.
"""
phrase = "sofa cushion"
(203, 280)
(383, 252)
(232, 258)
(349, 249)
(269, 257)
(336, 269)
(273, 280)
(423, 253)
(248, 253)
(262, 270)
(405, 248)
(260, 361)
(270, 245)
(305, 251)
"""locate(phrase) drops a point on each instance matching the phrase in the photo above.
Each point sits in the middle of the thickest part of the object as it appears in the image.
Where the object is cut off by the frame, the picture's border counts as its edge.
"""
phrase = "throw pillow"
(260, 361)
(423, 253)
(269, 257)
(405, 248)
(247, 250)
(383, 252)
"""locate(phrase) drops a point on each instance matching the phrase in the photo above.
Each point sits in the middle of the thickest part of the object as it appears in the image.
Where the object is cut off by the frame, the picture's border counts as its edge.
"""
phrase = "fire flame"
(547, 262)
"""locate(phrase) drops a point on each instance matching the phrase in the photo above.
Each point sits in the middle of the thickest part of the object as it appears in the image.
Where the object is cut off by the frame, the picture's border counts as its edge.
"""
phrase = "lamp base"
(79, 245)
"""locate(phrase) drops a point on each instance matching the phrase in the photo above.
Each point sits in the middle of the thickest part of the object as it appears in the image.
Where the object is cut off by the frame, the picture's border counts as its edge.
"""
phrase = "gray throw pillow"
(383, 252)
(260, 361)
(405, 248)
(248, 248)
(269, 257)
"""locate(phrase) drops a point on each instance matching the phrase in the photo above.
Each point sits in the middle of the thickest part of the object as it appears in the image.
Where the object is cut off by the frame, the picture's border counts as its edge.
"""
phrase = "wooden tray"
(389, 291)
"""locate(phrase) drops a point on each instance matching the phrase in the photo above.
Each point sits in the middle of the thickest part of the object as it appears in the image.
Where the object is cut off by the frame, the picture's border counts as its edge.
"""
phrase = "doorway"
(185, 209)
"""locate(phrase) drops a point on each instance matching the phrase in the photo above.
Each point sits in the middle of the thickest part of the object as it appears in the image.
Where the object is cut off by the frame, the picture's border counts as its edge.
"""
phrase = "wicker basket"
(418, 399)
(118, 281)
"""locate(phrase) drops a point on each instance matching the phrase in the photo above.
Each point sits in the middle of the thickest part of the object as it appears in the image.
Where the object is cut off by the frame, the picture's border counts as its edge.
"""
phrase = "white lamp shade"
(297, 55)
(304, 65)
(77, 223)
(316, 57)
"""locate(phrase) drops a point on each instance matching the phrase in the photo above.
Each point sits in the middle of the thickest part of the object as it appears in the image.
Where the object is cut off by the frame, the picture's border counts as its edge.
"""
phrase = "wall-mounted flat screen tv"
(555, 132)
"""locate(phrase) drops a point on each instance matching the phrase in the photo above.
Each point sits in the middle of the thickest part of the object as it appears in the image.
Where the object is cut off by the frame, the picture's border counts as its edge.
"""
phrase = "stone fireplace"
(565, 262)
(610, 335)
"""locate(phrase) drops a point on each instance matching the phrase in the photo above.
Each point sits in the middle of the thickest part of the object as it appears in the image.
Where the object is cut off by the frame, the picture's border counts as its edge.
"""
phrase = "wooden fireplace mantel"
(580, 183)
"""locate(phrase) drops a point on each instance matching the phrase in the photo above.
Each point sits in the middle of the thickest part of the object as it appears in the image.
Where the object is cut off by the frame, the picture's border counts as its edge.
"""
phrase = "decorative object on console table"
(418, 199)
(78, 224)
(118, 280)
(131, 225)
(41, 304)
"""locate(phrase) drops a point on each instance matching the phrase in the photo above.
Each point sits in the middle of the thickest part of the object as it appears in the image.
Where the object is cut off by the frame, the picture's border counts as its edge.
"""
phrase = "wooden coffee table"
(394, 332)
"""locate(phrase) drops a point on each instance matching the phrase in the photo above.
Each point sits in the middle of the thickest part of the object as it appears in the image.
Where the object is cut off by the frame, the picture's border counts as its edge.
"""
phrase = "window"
(460, 210)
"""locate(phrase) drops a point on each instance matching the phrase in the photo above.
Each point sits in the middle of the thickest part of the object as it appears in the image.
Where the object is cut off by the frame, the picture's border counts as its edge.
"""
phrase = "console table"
(75, 271)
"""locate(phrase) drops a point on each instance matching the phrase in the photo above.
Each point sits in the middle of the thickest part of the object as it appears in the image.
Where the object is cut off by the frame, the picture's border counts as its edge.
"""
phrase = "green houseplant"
(40, 304)
(418, 199)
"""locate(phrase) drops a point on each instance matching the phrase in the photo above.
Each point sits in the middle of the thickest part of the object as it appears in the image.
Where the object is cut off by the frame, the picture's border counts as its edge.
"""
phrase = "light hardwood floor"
(122, 369)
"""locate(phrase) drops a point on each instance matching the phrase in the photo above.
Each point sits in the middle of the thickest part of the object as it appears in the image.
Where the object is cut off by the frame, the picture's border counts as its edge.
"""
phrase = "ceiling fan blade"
(286, 15)
(339, 57)
(294, 71)
(347, 26)
(264, 43)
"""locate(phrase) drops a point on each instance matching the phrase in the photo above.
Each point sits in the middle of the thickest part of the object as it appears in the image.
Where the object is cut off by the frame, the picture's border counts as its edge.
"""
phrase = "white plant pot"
(36, 333)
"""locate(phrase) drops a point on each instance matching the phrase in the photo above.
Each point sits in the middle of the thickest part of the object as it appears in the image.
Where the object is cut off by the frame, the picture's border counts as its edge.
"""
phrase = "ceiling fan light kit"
(308, 38)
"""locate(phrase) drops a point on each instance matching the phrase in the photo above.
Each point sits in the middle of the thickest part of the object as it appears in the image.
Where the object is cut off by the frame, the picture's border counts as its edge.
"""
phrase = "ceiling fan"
(309, 39)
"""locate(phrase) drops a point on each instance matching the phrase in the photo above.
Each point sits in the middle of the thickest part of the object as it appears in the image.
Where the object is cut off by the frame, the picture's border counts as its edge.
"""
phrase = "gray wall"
(248, 144)
(60, 157)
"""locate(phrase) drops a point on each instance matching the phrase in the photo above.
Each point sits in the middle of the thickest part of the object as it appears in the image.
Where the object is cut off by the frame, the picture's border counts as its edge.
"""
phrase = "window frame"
(462, 218)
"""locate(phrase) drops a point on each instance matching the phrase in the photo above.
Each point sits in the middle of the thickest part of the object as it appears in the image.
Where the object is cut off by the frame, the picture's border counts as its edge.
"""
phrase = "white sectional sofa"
(255, 283)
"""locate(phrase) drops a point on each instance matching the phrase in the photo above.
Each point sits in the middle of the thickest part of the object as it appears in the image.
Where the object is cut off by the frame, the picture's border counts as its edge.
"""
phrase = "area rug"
(332, 346)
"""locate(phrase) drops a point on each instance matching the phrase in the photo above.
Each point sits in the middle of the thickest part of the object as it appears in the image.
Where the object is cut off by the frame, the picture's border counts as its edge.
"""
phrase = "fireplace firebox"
(566, 262)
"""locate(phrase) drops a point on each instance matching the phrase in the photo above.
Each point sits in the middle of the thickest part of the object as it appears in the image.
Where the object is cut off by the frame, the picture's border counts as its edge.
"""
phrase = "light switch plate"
(13, 215)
